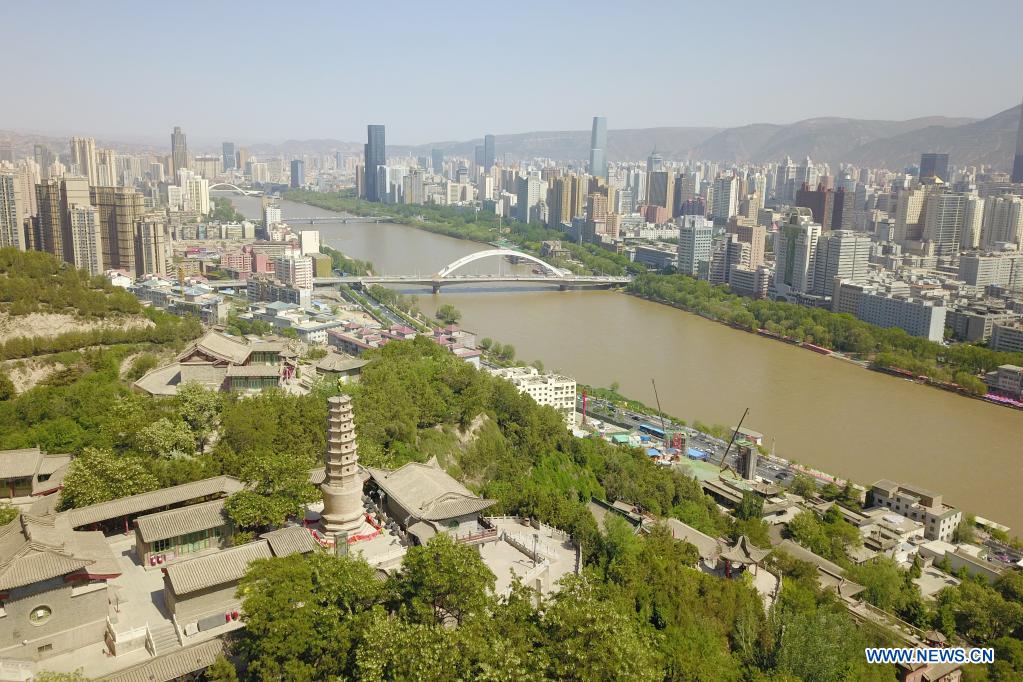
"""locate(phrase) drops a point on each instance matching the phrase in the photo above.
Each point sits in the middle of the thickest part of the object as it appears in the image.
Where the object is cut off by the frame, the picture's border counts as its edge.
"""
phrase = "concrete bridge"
(544, 273)
(335, 219)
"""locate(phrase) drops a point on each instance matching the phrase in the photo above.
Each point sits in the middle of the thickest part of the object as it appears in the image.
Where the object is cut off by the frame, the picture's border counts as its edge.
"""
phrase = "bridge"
(548, 274)
(236, 188)
(335, 219)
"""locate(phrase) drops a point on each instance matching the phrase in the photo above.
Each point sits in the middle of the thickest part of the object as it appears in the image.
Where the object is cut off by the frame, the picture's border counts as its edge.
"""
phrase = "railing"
(550, 531)
(484, 534)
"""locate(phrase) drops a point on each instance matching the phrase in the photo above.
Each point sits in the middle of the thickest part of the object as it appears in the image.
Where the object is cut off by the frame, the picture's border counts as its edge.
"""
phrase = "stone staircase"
(165, 638)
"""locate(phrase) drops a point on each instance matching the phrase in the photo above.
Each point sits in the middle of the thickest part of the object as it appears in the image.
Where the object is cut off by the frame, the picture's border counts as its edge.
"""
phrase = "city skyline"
(307, 91)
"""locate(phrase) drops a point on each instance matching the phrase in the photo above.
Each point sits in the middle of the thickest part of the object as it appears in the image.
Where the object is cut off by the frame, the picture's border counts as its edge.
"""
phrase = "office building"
(654, 163)
(528, 198)
(598, 147)
(12, 232)
(437, 161)
(727, 251)
(934, 166)
(271, 214)
(918, 317)
(821, 203)
(1007, 338)
(695, 240)
(661, 189)
(756, 236)
(118, 208)
(939, 520)
(86, 242)
(84, 161)
(795, 253)
(228, 154)
(297, 173)
(726, 198)
(1002, 222)
(179, 151)
(841, 254)
(1000, 268)
(195, 192)
(944, 219)
(376, 157)
(1017, 163)
(150, 246)
(309, 242)
(489, 151)
(1007, 380)
(751, 282)
(909, 217)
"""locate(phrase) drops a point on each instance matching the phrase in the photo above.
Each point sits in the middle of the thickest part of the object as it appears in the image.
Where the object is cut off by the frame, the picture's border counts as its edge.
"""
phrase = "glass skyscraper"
(598, 147)
(376, 156)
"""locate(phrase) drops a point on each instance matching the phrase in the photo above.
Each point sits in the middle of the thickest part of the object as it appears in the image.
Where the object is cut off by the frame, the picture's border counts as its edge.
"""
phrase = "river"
(821, 411)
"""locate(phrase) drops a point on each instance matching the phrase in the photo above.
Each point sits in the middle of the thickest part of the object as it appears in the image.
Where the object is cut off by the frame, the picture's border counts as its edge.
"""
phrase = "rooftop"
(428, 492)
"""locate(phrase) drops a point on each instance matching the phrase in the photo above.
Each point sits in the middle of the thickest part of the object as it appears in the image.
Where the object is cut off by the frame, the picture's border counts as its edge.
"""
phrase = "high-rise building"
(1017, 162)
(695, 239)
(1003, 221)
(974, 224)
(528, 198)
(844, 254)
(795, 254)
(909, 216)
(376, 156)
(11, 224)
(119, 209)
(107, 169)
(489, 151)
(726, 203)
(934, 166)
(661, 189)
(727, 251)
(85, 245)
(48, 226)
(179, 151)
(437, 161)
(297, 173)
(756, 236)
(295, 270)
(44, 157)
(598, 147)
(227, 151)
(944, 218)
(654, 163)
(150, 246)
(821, 203)
(195, 192)
(84, 161)
(241, 158)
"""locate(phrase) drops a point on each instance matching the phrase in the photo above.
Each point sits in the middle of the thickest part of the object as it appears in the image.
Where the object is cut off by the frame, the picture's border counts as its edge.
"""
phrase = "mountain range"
(873, 143)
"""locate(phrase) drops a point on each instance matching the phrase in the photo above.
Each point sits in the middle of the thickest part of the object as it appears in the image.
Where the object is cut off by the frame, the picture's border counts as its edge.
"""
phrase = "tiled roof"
(177, 522)
(253, 371)
(745, 552)
(428, 492)
(172, 666)
(335, 362)
(290, 540)
(220, 346)
(19, 463)
(216, 569)
(36, 563)
(126, 506)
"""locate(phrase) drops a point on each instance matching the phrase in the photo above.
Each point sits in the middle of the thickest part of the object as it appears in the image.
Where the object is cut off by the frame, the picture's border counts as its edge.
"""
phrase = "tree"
(100, 475)
(803, 485)
(222, 670)
(278, 489)
(7, 514)
(964, 532)
(200, 409)
(304, 615)
(167, 439)
(50, 676)
(486, 342)
(443, 581)
(7, 390)
(448, 314)
(751, 507)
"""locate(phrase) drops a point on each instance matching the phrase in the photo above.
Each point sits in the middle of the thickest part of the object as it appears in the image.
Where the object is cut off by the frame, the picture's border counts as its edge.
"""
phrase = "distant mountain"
(880, 144)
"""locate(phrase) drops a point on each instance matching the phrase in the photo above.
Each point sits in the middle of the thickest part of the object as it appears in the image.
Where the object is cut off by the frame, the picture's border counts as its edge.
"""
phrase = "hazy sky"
(432, 71)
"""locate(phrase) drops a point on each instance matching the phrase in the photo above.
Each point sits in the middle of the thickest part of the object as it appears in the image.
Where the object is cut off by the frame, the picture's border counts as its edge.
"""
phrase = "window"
(44, 648)
(161, 545)
(39, 615)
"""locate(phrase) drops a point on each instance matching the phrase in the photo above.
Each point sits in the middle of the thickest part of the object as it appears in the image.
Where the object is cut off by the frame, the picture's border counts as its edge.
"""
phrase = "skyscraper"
(661, 189)
(83, 159)
(119, 208)
(489, 151)
(694, 244)
(227, 151)
(11, 233)
(844, 254)
(1003, 221)
(795, 254)
(376, 156)
(297, 173)
(437, 161)
(179, 151)
(150, 246)
(944, 218)
(654, 162)
(86, 240)
(934, 166)
(1017, 163)
(598, 147)
(479, 155)
(726, 202)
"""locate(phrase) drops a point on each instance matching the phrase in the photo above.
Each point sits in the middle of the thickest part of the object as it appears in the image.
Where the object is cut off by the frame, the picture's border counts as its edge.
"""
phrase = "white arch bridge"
(236, 188)
(543, 273)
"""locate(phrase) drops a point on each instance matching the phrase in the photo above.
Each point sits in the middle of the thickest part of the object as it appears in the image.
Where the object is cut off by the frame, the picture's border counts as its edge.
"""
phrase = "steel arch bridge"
(236, 188)
(555, 273)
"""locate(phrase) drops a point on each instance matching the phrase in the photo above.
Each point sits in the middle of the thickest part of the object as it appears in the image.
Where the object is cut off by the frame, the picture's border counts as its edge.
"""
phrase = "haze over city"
(321, 70)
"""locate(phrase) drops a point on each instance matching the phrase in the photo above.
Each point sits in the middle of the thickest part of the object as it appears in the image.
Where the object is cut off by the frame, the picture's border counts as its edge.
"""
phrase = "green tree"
(277, 490)
(443, 581)
(803, 485)
(7, 514)
(304, 615)
(222, 670)
(167, 439)
(750, 507)
(448, 314)
(7, 390)
(100, 475)
(486, 342)
(200, 409)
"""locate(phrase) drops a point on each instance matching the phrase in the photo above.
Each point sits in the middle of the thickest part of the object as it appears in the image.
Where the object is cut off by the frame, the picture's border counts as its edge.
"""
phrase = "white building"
(918, 504)
(86, 241)
(695, 237)
(295, 270)
(271, 215)
(918, 317)
(546, 389)
(1003, 221)
(309, 240)
(195, 192)
(11, 233)
(795, 255)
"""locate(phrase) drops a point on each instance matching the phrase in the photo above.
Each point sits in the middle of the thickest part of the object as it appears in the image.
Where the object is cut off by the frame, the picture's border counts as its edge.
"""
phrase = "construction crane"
(664, 429)
(724, 458)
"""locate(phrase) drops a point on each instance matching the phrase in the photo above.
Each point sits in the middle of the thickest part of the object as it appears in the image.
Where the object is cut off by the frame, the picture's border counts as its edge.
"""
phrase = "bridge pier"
(436, 288)
(562, 287)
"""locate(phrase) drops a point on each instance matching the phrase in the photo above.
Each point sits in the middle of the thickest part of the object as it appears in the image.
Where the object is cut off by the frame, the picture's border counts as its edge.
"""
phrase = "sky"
(435, 71)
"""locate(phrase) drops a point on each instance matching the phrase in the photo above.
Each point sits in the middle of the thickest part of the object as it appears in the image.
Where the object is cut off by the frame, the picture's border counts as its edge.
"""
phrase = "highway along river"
(821, 411)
